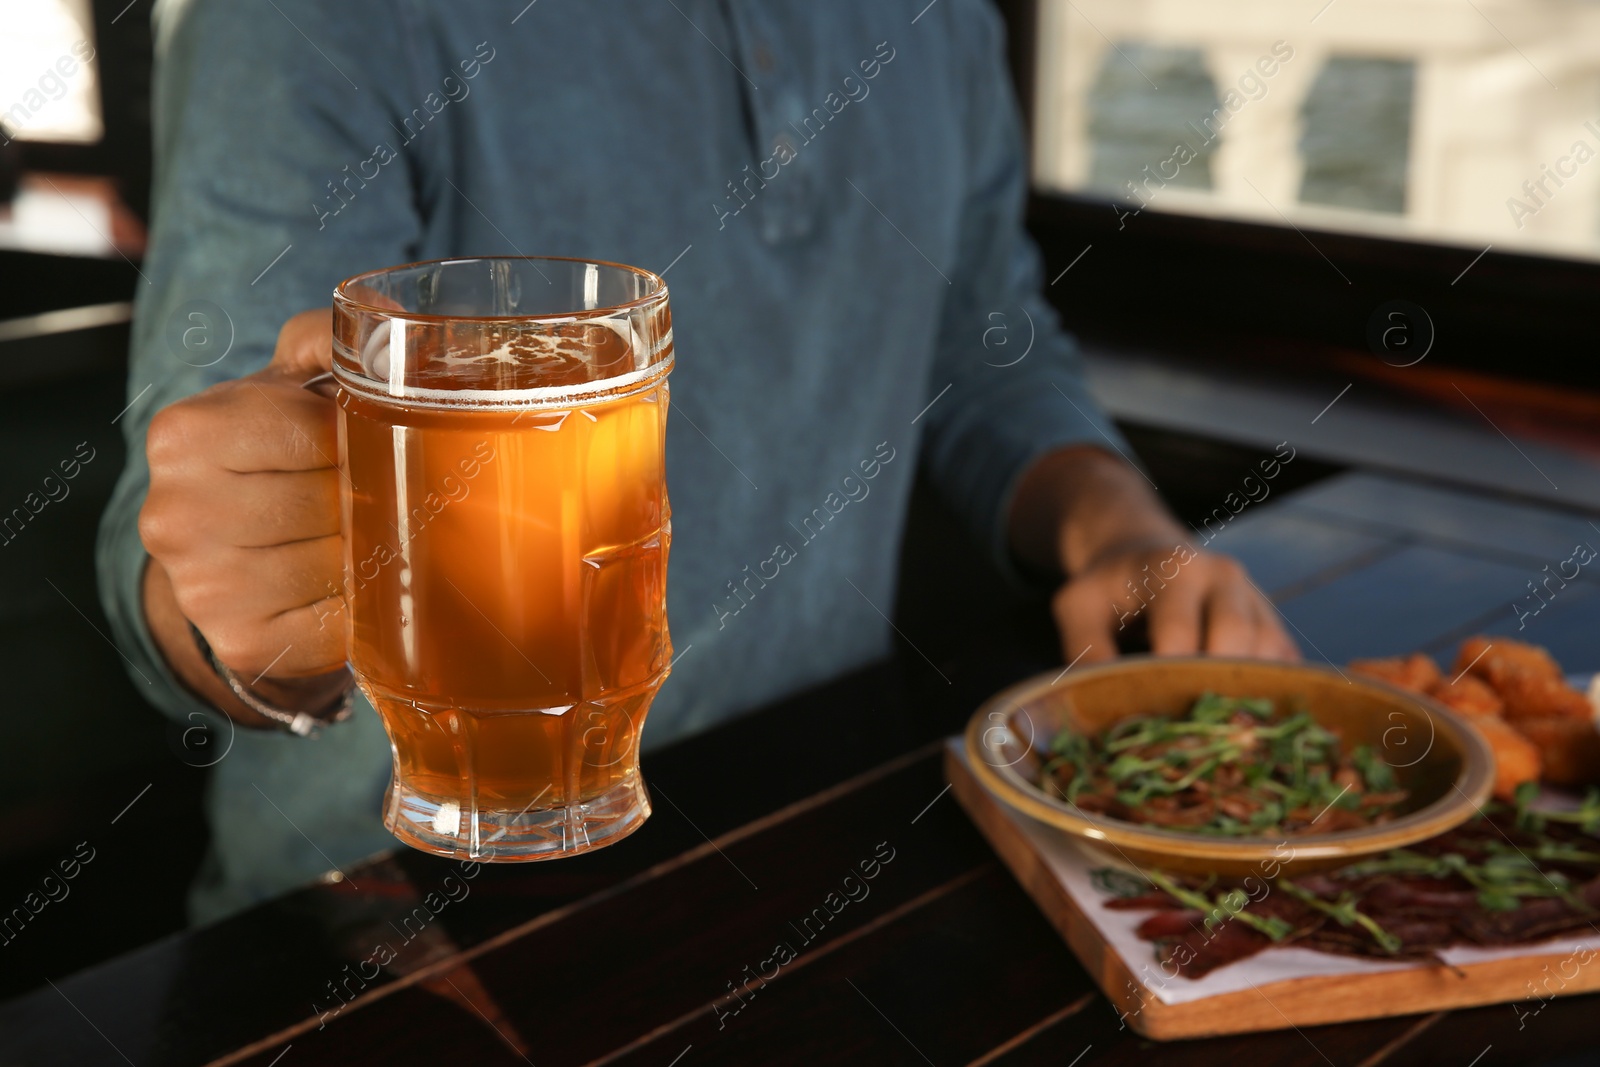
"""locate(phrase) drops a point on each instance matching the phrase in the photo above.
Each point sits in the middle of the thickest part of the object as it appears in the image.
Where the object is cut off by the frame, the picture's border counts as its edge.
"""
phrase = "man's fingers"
(303, 642)
(1175, 619)
(1083, 613)
(292, 430)
(1273, 638)
(254, 423)
(305, 345)
(287, 577)
(1210, 606)
(281, 507)
(258, 510)
(1231, 619)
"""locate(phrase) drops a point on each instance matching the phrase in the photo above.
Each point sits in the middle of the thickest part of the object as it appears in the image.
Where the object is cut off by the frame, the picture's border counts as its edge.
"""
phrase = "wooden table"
(666, 949)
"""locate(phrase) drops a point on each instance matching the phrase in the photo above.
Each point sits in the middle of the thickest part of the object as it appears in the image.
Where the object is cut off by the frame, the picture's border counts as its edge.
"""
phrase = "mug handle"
(323, 384)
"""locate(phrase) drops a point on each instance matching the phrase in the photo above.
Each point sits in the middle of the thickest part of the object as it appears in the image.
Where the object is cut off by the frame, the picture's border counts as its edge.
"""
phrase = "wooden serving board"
(1524, 981)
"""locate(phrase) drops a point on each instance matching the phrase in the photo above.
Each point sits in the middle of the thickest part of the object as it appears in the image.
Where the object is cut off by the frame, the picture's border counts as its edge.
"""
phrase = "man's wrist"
(1080, 504)
(322, 691)
(329, 694)
(191, 666)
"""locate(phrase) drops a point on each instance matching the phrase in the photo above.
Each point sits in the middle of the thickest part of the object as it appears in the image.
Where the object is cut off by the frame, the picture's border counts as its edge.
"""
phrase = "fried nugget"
(1527, 678)
(1416, 672)
(1569, 748)
(1496, 658)
(1516, 759)
(1529, 697)
(1469, 695)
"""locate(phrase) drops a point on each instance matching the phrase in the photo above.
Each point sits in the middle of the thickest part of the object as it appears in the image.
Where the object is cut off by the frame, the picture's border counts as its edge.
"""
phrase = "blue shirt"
(834, 190)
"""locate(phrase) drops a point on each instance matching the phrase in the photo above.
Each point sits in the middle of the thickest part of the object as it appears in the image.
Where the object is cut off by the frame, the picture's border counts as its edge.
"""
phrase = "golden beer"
(506, 539)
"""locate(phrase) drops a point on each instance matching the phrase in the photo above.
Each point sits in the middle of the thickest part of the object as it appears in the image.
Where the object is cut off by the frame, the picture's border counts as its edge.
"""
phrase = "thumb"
(305, 345)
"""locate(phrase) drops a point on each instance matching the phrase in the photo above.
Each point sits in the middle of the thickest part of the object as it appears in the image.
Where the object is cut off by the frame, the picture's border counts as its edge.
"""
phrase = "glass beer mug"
(502, 427)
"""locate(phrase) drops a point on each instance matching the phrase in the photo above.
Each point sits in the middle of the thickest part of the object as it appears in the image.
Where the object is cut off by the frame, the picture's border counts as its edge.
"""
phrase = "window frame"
(1509, 313)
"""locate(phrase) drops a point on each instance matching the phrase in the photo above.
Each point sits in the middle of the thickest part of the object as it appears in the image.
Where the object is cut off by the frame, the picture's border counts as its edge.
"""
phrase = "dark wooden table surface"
(700, 939)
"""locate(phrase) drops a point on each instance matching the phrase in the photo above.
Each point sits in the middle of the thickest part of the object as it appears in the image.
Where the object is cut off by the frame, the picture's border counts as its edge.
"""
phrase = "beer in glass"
(502, 425)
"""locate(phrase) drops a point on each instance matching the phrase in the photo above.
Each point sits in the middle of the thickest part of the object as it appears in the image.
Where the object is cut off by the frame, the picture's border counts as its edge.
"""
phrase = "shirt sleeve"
(1007, 384)
(278, 173)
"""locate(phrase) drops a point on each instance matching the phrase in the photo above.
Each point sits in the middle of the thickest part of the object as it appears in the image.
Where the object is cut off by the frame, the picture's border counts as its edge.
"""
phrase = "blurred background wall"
(81, 743)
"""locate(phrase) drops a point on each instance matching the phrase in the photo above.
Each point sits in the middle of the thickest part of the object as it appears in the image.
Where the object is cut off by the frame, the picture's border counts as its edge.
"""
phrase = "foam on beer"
(515, 365)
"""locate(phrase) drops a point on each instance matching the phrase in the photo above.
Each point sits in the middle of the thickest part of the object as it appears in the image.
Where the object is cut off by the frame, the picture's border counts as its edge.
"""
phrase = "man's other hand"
(1088, 514)
(1184, 601)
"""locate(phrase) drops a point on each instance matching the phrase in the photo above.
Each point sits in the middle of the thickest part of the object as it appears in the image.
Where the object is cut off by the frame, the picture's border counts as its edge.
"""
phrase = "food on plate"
(1527, 678)
(1570, 748)
(1469, 695)
(1518, 873)
(1518, 698)
(1229, 766)
(1530, 697)
(1416, 671)
(1515, 876)
(1517, 760)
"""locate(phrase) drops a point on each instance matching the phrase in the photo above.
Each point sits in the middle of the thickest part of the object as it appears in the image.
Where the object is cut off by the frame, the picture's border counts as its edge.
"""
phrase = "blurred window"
(49, 81)
(1466, 122)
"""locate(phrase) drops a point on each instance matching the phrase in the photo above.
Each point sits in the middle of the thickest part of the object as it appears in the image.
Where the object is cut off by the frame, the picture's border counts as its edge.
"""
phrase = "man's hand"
(1186, 602)
(1091, 516)
(242, 525)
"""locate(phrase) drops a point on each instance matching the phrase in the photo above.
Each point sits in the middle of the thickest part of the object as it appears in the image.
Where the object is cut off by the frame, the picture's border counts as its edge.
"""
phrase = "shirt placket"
(781, 195)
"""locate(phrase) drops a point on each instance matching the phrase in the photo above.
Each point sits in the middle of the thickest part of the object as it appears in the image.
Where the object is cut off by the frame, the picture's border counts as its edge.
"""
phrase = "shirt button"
(764, 59)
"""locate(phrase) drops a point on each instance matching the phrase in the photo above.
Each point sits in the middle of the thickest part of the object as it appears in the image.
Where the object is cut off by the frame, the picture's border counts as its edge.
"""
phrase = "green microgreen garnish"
(1344, 912)
(1229, 767)
(1504, 877)
(1585, 817)
(1229, 905)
